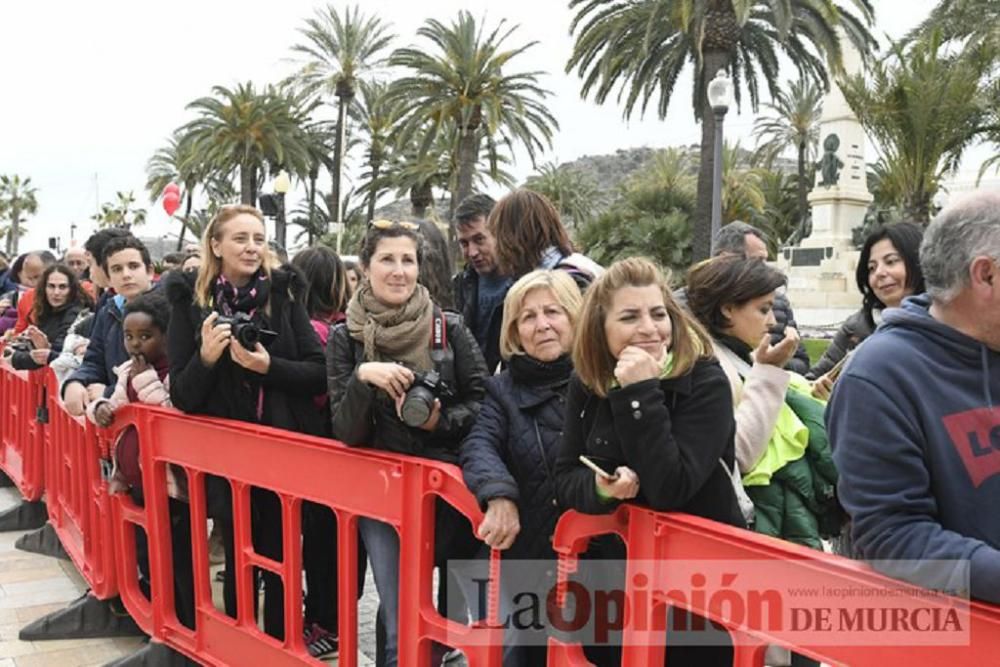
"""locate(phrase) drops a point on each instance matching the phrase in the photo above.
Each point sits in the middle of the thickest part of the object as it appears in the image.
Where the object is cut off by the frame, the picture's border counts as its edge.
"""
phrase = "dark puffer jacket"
(365, 416)
(294, 377)
(55, 328)
(850, 334)
(105, 350)
(511, 453)
(671, 432)
(800, 504)
(786, 318)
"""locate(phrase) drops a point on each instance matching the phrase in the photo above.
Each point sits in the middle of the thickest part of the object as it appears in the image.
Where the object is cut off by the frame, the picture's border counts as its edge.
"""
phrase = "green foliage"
(463, 85)
(652, 217)
(121, 212)
(18, 199)
(923, 108)
(779, 217)
(815, 347)
(573, 194)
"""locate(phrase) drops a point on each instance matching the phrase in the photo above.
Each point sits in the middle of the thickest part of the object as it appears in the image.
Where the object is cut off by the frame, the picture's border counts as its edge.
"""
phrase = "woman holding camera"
(52, 314)
(241, 347)
(396, 384)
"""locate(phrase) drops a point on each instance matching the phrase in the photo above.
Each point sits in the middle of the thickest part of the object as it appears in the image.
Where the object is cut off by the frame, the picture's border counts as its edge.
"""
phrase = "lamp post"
(719, 94)
(282, 185)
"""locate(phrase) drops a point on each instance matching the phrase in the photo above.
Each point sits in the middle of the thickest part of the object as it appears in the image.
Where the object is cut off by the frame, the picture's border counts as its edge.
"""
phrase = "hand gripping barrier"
(398, 490)
(77, 496)
(21, 447)
(662, 539)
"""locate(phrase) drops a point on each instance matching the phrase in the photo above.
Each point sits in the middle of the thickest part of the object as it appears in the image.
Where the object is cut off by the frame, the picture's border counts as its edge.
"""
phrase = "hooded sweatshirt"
(915, 430)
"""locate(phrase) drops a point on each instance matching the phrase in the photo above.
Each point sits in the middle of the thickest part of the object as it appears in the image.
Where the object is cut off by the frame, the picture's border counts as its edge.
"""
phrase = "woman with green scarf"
(392, 340)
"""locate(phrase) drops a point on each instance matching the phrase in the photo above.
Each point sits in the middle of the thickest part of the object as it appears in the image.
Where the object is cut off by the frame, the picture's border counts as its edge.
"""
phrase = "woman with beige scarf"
(390, 344)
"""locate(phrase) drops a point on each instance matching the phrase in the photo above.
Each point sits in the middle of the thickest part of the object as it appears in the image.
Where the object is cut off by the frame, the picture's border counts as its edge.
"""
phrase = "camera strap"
(439, 332)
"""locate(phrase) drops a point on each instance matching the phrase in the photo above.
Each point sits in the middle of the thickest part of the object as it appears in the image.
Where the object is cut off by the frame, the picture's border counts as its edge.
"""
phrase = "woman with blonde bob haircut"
(508, 457)
(653, 410)
(218, 368)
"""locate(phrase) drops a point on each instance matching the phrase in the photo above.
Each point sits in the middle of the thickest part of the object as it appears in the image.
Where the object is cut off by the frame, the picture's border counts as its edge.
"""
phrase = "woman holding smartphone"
(650, 406)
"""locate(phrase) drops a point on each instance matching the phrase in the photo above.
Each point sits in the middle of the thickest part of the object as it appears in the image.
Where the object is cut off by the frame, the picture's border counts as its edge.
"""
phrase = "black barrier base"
(154, 654)
(85, 618)
(25, 516)
(43, 541)
(5, 480)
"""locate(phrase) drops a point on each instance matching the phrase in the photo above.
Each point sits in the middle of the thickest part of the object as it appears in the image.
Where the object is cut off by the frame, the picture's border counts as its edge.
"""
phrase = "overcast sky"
(93, 88)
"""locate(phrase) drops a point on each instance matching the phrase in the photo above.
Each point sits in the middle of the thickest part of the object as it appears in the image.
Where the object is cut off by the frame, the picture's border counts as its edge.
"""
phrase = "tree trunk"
(248, 183)
(803, 186)
(373, 193)
(313, 175)
(338, 154)
(14, 237)
(421, 196)
(702, 223)
(184, 223)
(468, 152)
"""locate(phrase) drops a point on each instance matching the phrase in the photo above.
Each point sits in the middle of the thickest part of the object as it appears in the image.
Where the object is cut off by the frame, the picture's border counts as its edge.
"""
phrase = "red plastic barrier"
(21, 440)
(397, 490)
(76, 495)
(664, 539)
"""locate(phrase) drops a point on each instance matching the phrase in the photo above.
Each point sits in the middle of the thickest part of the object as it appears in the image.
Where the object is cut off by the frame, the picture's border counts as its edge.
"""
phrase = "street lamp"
(282, 185)
(719, 95)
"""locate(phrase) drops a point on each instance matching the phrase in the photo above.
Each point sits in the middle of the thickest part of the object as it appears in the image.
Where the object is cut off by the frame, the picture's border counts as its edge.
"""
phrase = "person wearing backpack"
(395, 340)
(530, 235)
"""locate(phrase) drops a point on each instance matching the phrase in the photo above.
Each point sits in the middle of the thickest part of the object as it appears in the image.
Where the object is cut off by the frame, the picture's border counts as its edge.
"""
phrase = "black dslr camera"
(419, 401)
(246, 331)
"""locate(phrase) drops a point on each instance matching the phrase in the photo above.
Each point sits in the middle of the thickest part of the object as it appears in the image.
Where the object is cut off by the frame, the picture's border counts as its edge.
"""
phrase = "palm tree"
(742, 198)
(640, 48)
(338, 52)
(922, 108)
(463, 83)
(175, 163)
(120, 213)
(241, 129)
(377, 119)
(573, 193)
(795, 124)
(977, 21)
(779, 218)
(18, 198)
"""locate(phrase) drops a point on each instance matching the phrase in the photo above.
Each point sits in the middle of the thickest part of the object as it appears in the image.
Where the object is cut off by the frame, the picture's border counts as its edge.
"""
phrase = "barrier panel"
(21, 432)
(660, 546)
(398, 490)
(76, 495)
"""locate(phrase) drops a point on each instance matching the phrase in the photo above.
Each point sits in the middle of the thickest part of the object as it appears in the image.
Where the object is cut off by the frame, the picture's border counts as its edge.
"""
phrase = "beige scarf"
(393, 333)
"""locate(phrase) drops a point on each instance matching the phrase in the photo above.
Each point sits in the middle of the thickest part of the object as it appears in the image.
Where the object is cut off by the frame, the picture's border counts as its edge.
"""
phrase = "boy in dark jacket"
(130, 272)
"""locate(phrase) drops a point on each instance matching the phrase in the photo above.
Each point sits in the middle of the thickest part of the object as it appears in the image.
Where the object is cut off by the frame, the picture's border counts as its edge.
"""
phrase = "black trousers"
(180, 549)
(319, 561)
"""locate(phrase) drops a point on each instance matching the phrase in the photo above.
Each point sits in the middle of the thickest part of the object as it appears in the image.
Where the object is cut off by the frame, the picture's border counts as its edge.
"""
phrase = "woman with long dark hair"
(59, 301)
(888, 272)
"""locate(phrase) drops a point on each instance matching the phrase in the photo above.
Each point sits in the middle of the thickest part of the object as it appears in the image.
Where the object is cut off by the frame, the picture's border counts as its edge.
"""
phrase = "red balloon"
(172, 187)
(171, 201)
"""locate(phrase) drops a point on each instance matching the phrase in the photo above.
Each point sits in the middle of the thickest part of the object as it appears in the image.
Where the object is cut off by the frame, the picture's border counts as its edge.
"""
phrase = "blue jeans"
(382, 544)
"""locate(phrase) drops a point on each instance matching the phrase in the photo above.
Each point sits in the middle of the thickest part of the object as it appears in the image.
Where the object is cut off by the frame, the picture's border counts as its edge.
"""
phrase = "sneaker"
(320, 642)
(454, 655)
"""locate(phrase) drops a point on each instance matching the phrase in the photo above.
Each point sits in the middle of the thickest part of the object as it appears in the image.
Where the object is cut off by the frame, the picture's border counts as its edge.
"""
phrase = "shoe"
(320, 642)
(452, 656)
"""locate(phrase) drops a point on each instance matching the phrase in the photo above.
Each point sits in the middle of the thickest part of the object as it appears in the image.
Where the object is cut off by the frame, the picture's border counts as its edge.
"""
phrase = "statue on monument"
(830, 165)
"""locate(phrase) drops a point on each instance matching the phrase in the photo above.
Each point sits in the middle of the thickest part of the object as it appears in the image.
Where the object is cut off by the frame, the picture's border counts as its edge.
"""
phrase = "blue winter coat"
(511, 453)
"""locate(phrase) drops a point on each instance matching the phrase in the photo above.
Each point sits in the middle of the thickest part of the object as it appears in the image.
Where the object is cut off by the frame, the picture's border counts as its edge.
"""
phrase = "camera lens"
(417, 406)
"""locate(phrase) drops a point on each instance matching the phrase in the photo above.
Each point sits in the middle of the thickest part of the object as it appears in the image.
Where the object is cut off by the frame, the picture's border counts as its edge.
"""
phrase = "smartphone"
(834, 372)
(598, 469)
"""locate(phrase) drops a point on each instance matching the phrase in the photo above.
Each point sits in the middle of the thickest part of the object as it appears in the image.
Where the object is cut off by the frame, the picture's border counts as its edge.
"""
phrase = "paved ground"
(32, 586)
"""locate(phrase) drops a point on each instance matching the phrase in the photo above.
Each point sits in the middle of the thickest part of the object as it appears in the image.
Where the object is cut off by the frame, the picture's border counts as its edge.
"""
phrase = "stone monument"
(821, 284)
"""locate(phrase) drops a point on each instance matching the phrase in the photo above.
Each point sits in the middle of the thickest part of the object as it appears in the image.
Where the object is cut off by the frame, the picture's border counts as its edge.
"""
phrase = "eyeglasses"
(389, 224)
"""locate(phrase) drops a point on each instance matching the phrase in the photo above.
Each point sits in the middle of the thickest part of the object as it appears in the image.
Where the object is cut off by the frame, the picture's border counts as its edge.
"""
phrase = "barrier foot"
(154, 654)
(5, 480)
(28, 515)
(43, 541)
(85, 618)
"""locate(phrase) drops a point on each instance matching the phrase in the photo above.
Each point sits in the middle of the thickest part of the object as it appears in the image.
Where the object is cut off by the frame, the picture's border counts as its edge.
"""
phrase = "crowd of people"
(555, 384)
